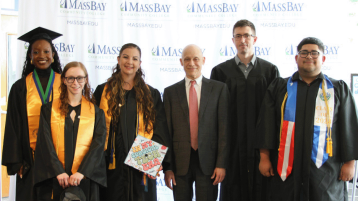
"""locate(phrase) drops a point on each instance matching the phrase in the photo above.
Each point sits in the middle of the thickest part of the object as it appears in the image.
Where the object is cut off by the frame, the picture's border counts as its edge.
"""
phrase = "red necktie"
(193, 115)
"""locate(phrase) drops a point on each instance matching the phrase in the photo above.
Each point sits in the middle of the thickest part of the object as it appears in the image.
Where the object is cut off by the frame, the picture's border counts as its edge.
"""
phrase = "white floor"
(349, 194)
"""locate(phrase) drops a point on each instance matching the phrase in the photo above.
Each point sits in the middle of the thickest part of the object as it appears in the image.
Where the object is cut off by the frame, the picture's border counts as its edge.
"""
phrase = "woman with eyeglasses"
(71, 140)
(126, 100)
(38, 85)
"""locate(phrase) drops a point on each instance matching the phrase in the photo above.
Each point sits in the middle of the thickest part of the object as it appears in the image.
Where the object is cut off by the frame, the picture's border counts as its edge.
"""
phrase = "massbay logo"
(230, 51)
(83, 5)
(277, 7)
(227, 51)
(291, 50)
(166, 51)
(103, 49)
(146, 8)
(212, 8)
(331, 50)
(60, 47)
(65, 48)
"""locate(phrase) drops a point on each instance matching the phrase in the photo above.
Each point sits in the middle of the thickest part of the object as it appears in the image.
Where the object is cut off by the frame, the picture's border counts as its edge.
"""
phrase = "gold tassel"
(282, 113)
(329, 149)
(112, 166)
(144, 180)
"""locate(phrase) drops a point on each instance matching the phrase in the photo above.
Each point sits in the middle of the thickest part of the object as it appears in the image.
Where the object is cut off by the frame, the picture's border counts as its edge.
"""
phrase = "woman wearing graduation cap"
(132, 108)
(71, 138)
(39, 84)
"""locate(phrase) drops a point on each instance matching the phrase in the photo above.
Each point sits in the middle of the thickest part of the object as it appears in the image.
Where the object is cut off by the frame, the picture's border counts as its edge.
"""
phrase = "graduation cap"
(39, 33)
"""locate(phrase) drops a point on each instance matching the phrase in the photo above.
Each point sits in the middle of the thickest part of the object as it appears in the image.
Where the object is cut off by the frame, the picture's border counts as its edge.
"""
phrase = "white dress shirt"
(197, 87)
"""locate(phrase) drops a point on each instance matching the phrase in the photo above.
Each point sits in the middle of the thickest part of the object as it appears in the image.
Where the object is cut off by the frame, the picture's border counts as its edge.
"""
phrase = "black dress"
(47, 165)
(125, 182)
(243, 181)
(307, 182)
(16, 146)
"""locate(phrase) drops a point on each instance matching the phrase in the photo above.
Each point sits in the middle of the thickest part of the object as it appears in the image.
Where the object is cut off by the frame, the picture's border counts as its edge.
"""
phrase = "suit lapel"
(205, 95)
(181, 92)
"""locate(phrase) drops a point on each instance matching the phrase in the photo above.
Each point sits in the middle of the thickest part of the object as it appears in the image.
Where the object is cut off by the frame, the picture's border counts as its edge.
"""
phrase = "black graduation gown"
(243, 180)
(48, 167)
(16, 146)
(306, 182)
(124, 182)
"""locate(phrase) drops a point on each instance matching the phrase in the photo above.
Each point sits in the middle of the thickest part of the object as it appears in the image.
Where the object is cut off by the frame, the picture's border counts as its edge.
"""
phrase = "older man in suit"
(197, 116)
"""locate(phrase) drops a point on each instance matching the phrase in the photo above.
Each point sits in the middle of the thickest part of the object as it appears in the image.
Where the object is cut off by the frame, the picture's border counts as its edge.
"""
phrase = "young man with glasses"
(306, 132)
(247, 77)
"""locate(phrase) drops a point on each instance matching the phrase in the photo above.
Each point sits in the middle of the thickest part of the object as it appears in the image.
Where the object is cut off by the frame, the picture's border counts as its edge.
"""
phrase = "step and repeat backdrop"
(94, 31)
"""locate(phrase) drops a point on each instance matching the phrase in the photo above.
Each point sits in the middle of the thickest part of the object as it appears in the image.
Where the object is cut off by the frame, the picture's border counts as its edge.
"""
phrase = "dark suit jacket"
(213, 146)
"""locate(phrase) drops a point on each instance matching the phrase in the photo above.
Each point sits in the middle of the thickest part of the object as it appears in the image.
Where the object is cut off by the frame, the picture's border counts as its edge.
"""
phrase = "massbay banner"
(94, 31)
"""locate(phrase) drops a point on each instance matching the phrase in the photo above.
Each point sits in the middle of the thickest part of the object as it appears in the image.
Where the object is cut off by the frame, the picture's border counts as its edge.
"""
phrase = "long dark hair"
(116, 93)
(28, 67)
(86, 92)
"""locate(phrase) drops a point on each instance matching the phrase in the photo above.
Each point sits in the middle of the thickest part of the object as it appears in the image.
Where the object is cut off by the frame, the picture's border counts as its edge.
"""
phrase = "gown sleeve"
(169, 158)
(98, 93)
(215, 74)
(266, 128)
(348, 124)
(161, 133)
(12, 148)
(93, 165)
(47, 165)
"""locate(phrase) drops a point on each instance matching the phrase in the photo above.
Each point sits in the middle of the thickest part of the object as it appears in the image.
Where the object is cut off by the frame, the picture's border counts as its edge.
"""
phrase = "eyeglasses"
(72, 79)
(304, 54)
(246, 36)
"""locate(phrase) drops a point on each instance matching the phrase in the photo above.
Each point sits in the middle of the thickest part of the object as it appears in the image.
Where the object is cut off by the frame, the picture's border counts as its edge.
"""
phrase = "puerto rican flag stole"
(287, 133)
(322, 127)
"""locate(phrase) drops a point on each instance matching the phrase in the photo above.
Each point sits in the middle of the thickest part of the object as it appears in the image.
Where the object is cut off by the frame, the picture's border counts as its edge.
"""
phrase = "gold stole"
(33, 104)
(140, 127)
(104, 106)
(84, 135)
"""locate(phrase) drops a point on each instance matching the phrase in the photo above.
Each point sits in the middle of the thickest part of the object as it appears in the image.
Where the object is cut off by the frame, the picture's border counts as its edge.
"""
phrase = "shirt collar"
(297, 76)
(198, 80)
(237, 60)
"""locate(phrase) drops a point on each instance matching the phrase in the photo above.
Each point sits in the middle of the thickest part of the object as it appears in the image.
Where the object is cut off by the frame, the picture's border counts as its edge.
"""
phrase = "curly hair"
(116, 93)
(86, 92)
(28, 67)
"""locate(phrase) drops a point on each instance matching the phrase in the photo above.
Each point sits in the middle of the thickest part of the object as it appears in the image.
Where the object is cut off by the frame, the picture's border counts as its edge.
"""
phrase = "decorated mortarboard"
(39, 33)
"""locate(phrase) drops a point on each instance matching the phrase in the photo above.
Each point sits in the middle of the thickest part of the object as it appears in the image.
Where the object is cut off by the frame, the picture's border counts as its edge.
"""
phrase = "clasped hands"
(219, 175)
(66, 181)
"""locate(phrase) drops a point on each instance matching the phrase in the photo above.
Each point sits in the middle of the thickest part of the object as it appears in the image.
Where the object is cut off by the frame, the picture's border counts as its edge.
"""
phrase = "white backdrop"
(95, 30)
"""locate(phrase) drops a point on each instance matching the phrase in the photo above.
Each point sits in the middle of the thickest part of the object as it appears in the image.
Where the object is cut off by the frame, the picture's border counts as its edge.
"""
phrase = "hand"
(63, 180)
(265, 167)
(169, 179)
(20, 171)
(151, 177)
(75, 179)
(347, 171)
(219, 173)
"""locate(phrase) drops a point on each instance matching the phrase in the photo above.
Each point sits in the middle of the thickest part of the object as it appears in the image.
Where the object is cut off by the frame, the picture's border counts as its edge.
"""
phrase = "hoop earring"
(53, 60)
(31, 61)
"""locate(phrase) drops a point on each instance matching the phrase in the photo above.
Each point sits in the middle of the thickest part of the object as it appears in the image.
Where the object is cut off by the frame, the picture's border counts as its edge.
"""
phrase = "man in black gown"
(247, 77)
(307, 181)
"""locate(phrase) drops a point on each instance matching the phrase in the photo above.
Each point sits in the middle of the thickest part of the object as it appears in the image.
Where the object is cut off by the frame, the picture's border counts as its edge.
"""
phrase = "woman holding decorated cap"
(71, 140)
(39, 84)
(126, 99)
